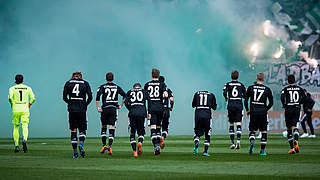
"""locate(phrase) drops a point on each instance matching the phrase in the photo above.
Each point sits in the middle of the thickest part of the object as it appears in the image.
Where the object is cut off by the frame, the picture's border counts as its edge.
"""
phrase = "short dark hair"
(19, 78)
(137, 85)
(260, 76)
(291, 79)
(109, 76)
(76, 75)
(155, 73)
(161, 79)
(234, 75)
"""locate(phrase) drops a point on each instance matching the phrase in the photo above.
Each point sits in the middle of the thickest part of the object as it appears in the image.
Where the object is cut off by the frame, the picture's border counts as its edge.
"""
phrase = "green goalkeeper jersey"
(20, 96)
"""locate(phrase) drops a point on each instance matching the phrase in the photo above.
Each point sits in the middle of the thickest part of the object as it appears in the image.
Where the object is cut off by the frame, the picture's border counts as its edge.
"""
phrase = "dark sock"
(158, 130)
(206, 147)
(196, 141)
(82, 137)
(263, 141)
(104, 136)
(239, 131)
(310, 125)
(206, 142)
(140, 139)
(252, 137)
(303, 125)
(231, 133)
(133, 142)
(311, 129)
(111, 136)
(290, 140)
(74, 141)
(296, 134)
(164, 134)
(154, 137)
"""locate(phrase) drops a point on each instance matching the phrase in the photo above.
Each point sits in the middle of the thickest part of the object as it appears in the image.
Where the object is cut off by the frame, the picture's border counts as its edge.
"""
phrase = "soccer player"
(157, 91)
(109, 110)
(21, 98)
(77, 94)
(292, 97)
(258, 94)
(166, 114)
(307, 108)
(135, 102)
(203, 101)
(233, 93)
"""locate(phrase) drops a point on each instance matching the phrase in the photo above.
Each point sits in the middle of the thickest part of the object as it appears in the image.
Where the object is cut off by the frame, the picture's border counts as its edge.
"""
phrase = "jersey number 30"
(136, 96)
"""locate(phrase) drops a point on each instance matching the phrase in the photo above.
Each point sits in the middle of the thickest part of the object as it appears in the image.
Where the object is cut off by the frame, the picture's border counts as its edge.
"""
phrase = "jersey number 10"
(294, 96)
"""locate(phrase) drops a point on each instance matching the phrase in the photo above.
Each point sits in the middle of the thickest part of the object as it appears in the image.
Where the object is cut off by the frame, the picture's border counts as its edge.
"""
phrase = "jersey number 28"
(154, 91)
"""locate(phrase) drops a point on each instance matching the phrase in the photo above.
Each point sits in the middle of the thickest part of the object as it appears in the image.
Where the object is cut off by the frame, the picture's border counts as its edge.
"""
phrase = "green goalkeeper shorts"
(22, 117)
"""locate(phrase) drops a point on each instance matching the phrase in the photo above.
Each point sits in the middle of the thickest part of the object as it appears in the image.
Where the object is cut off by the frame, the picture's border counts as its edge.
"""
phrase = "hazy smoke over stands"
(194, 43)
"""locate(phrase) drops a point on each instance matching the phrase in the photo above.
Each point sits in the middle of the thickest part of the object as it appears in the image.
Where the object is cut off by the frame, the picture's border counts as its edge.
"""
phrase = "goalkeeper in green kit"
(20, 97)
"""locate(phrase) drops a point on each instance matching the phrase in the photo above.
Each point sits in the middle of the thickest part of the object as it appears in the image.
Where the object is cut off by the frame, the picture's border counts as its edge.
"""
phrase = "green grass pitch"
(52, 159)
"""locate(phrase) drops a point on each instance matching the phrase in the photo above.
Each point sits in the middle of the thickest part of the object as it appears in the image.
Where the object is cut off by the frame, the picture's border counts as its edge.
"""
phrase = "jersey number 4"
(76, 89)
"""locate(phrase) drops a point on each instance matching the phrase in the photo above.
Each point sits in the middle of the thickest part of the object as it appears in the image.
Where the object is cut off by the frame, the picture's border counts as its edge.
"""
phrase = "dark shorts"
(165, 121)
(291, 116)
(165, 124)
(166, 113)
(109, 116)
(258, 122)
(156, 118)
(137, 125)
(78, 120)
(307, 116)
(201, 126)
(235, 115)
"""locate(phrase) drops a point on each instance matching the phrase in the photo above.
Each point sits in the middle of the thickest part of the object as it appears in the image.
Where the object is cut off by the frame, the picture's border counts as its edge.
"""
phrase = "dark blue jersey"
(204, 101)
(308, 103)
(74, 94)
(292, 96)
(234, 92)
(166, 100)
(259, 94)
(155, 89)
(136, 102)
(110, 93)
